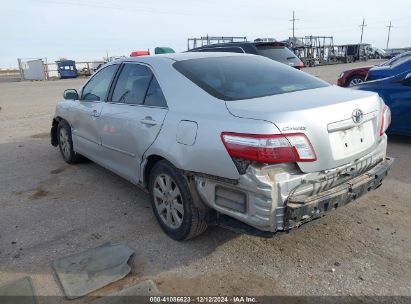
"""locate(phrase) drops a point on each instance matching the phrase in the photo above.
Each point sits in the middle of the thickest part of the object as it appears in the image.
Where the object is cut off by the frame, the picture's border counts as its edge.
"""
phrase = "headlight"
(341, 75)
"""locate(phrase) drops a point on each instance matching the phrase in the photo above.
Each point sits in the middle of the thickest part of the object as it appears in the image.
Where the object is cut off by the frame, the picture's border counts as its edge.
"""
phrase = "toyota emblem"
(357, 116)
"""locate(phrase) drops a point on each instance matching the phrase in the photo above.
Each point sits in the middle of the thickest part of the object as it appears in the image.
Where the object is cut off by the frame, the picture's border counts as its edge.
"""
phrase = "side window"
(96, 89)
(132, 84)
(155, 97)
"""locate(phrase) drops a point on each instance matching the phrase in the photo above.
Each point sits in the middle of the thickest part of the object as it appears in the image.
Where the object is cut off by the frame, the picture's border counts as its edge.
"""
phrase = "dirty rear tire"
(68, 155)
(192, 224)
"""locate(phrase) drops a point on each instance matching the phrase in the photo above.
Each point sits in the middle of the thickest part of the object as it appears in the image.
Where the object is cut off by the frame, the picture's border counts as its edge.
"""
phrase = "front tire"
(173, 204)
(66, 143)
(355, 80)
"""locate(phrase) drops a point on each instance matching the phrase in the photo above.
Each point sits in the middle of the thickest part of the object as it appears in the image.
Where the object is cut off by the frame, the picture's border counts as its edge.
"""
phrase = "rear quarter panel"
(186, 101)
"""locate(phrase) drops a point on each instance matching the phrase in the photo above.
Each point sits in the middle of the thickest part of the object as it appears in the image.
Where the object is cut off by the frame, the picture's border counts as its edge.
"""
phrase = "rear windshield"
(278, 53)
(245, 77)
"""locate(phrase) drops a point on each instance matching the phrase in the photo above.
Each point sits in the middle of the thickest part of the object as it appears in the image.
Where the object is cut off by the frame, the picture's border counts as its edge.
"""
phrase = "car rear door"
(85, 114)
(132, 119)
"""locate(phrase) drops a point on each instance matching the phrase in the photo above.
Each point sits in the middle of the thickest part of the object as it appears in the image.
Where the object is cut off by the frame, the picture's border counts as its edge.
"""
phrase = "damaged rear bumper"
(281, 197)
(301, 209)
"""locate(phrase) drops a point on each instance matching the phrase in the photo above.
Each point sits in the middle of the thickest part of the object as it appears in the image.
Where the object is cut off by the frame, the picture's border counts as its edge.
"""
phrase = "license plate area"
(345, 143)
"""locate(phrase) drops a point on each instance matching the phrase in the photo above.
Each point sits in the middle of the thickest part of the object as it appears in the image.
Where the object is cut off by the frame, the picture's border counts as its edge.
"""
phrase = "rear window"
(277, 53)
(245, 77)
(223, 49)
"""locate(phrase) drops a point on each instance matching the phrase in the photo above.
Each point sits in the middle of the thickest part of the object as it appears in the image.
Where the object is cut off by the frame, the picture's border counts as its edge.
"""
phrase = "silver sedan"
(228, 139)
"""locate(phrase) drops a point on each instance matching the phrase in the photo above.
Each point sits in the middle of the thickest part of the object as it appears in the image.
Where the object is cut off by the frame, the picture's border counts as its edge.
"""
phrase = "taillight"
(385, 120)
(301, 65)
(285, 148)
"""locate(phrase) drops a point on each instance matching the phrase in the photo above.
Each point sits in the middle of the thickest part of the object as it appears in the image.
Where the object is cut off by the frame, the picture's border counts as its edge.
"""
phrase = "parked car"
(394, 66)
(235, 140)
(139, 53)
(358, 75)
(163, 50)
(274, 50)
(353, 77)
(66, 69)
(378, 53)
(396, 93)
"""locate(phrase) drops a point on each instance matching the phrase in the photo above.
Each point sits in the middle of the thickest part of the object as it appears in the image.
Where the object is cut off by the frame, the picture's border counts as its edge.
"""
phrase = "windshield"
(245, 77)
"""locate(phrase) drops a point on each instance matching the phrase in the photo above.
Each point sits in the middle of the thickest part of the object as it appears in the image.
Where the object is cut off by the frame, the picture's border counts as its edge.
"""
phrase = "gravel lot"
(49, 209)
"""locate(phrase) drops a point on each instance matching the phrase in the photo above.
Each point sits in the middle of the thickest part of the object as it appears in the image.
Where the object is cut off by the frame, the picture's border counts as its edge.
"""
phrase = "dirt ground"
(49, 209)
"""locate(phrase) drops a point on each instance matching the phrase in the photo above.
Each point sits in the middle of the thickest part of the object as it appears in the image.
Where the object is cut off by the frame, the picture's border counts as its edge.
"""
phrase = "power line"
(293, 21)
(389, 32)
(362, 29)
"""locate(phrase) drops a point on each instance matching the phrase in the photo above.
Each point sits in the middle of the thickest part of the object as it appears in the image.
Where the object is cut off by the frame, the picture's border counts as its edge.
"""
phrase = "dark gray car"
(274, 50)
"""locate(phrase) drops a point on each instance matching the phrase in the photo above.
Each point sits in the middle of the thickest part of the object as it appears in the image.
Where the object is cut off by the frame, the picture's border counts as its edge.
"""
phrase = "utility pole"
(362, 28)
(293, 21)
(389, 32)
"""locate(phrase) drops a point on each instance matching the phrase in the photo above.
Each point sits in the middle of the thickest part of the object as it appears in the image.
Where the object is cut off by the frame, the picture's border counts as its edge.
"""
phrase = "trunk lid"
(326, 116)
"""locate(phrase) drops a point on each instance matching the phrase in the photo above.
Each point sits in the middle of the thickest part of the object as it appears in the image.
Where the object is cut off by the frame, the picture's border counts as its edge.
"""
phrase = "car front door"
(132, 119)
(85, 115)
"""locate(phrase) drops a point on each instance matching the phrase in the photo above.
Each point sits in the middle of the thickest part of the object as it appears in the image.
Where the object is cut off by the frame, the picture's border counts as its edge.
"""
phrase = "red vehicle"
(139, 53)
(353, 77)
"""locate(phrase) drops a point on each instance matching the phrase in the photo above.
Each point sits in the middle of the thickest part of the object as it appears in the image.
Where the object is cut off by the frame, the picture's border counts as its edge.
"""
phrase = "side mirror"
(407, 79)
(70, 94)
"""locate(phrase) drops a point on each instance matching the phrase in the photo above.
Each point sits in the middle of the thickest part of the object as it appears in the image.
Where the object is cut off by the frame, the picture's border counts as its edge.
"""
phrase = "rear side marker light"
(282, 148)
(385, 120)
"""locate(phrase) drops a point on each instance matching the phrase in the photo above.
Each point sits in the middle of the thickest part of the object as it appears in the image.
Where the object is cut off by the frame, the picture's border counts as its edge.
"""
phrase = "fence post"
(20, 69)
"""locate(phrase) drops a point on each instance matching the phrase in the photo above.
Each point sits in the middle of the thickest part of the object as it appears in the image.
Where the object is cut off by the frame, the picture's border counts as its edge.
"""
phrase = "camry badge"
(357, 116)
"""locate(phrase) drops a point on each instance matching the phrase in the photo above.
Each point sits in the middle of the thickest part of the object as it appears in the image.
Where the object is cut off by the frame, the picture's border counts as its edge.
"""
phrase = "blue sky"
(84, 30)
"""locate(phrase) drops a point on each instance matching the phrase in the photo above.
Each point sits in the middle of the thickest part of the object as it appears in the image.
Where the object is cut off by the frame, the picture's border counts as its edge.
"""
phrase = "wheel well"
(151, 161)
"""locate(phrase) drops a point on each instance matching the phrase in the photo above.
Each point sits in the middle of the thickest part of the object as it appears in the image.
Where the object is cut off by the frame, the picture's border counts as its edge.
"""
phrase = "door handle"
(149, 121)
(95, 113)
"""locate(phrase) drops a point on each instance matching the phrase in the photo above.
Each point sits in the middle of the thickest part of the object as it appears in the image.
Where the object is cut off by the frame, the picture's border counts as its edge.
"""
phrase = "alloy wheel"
(355, 81)
(64, 142)
(168, 201)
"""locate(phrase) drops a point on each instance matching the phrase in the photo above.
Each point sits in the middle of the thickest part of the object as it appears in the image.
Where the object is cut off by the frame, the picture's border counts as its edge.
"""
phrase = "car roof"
(223, 44)
(239, 43)
(178, 56)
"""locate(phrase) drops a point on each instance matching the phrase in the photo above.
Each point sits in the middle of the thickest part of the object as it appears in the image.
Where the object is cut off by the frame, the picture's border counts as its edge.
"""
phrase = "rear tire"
(173, 204)
(66, 143)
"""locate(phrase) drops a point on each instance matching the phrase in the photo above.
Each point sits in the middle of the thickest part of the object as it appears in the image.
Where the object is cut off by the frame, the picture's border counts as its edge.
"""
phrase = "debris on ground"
(127, 295)
(87, 271)
(20, 291)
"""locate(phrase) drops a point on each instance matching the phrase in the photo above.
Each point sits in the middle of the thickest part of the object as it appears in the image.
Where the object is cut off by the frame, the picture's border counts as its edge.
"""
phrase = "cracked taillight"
(280, 148)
